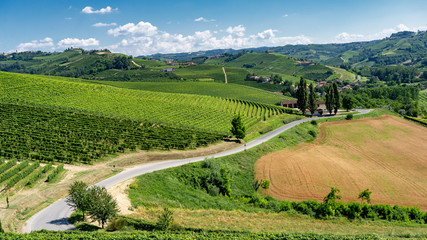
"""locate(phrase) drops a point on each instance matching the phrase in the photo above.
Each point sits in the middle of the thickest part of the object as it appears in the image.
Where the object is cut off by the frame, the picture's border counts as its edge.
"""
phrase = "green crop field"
(48, 135)
(423, 98)
(206, 113)
(205, 88)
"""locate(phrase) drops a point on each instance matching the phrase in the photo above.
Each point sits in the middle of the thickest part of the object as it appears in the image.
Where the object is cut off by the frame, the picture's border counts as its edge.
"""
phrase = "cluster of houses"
(173, 63)
(258, 78)
(348, 86)
(321, 106)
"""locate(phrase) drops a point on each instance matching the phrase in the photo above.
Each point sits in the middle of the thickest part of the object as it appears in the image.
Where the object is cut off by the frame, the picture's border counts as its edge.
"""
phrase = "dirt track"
(388, 155)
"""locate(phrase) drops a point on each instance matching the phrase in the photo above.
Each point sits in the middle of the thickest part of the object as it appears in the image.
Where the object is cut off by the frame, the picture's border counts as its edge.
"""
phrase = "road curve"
(54, 217)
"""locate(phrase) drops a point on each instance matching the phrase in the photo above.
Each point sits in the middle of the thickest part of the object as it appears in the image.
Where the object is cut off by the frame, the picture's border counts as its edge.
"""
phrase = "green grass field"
(214, 89)
(206, 113)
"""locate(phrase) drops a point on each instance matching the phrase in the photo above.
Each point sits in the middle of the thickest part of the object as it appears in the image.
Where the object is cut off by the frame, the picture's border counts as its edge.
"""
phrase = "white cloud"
(237, 30)
(285, 15)
(345, 37)
(36, 44)
(75, 42)
(89, 10)
(142, 28)
(68, 18)
(202, 19)
(144, 38)
(100, 24)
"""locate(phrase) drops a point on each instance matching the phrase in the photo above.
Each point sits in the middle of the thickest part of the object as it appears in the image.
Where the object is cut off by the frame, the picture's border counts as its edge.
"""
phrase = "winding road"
(54, 217)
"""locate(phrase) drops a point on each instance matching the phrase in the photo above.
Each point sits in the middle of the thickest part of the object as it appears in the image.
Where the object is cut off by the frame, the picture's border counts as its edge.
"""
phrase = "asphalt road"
(54, 217)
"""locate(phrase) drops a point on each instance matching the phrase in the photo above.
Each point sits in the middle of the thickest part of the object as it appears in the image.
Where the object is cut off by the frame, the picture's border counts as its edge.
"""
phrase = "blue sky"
(140, 27)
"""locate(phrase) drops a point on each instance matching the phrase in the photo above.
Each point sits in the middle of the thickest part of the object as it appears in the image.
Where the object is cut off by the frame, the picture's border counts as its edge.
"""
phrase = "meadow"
(423, 98)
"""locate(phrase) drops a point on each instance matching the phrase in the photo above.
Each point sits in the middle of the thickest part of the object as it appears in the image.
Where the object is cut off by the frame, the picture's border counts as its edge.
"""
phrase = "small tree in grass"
(238, 129)
(332, 196)
(330, 103)
(104, 207)
(165, 220)
(365, 195)
(337, 103)
(1, 228)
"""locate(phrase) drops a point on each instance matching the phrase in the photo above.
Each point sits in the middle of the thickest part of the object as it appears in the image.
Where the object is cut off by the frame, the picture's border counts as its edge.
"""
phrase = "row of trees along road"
(308, 99)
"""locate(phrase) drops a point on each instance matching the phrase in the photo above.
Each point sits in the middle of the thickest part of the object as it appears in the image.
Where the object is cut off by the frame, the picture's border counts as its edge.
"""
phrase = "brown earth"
(388, 155)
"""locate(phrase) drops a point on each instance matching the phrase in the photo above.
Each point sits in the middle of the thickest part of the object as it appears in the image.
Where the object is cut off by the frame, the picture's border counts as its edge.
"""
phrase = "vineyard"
(178, 235)
(423, 98)
(205, 113)
(45, 134)
(25, 174)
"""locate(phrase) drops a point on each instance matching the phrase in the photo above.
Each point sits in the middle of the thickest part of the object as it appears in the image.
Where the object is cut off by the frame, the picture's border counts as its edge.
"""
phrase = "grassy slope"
(205, 88)
(203, 112)
(168, 188)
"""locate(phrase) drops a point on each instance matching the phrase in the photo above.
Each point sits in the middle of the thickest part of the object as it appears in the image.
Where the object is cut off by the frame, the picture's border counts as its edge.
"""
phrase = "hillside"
(206, 113)
(406, 48)
(353, 156)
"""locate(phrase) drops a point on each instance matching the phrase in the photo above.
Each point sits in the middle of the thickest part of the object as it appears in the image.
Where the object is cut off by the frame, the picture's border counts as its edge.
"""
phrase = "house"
(270, 51)
(190, 64)
(304, 64)
(321, 106)
(266, 79)
(170, 69)
(256, 78)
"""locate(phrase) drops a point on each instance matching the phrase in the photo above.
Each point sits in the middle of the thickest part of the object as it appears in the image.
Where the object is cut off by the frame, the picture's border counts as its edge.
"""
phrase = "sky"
(140, 27)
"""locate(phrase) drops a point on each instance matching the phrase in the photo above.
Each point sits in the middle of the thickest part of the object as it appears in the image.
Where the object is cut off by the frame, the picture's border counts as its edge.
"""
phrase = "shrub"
(312, 133)
(133, 186)
(165, 220)
(349, 116)
(313, 122)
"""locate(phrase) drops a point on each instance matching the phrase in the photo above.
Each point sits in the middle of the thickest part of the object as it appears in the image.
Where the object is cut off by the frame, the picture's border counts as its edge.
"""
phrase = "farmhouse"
(321, 106)
(170, 69)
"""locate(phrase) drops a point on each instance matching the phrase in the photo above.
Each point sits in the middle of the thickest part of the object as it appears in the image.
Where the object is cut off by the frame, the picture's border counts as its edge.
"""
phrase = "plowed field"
(388, 155)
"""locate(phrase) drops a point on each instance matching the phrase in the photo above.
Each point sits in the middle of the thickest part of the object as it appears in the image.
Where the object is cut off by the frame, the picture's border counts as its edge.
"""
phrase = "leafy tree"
(302, 95)
(78, 197)
(365, 195)
(1, 228)
(332, 196)
(104, 207)
(336, 98)
(330, 99)
(238, 129)
(348, 102)
(312, 103)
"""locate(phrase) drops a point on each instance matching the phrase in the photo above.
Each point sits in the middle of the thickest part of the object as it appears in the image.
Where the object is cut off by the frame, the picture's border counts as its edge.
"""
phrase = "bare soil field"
(388, 155)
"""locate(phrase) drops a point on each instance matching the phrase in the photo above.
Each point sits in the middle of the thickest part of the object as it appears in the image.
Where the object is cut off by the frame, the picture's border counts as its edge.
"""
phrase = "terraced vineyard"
(423, 98)
(211, 114)
(13, 174)
(45, 134)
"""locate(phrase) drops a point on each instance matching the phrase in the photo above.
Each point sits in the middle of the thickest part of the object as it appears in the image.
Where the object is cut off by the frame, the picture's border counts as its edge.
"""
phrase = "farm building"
(321, 106)
(170, 69)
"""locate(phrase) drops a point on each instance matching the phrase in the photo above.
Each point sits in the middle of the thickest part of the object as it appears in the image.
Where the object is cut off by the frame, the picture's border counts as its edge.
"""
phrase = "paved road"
(54, 217)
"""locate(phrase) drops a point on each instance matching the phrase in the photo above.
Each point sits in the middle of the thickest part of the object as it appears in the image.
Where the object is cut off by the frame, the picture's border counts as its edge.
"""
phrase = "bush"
(133, 186)
(165, 220)
(312, 133)
(313, 122)
(349, 116)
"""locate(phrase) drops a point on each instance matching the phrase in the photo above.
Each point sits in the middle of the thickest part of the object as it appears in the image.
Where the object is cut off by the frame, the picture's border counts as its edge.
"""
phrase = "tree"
(348, 102)
(330, 99)
(302, 95)
(1, 228)
(312, 100)
(104, 207)
(165, 220)
(332, 196)
(336, 98)
(238, 129)
(365, 195)
(78, 197)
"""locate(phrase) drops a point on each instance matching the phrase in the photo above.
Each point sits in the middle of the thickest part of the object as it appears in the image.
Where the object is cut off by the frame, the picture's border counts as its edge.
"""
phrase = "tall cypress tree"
(336, 98)
(312, 104)
(330, 99)
(302, 95)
